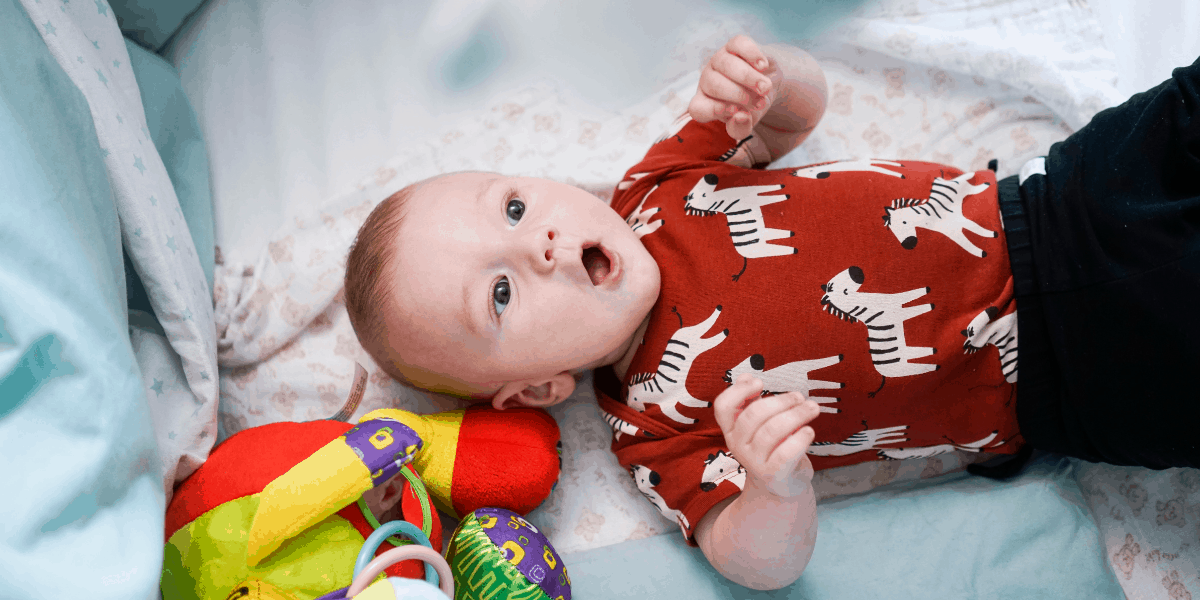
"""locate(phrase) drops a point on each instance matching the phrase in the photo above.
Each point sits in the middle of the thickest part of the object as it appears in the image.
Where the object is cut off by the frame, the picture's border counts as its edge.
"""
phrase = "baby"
(724, 306)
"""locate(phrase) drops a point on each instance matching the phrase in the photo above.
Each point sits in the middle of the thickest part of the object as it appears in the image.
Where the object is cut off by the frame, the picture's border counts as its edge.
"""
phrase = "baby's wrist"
(791, 491)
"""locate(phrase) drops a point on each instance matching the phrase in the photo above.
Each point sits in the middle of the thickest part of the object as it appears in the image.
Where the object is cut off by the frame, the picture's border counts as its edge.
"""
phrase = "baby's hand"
(737, 87)
(768, 436)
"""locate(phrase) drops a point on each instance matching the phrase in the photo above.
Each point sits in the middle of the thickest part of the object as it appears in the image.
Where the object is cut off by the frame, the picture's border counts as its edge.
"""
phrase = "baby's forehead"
(459, 181)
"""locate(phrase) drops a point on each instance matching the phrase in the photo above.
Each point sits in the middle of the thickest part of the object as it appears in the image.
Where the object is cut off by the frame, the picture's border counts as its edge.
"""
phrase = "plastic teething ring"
(395, 555)
(403, 528)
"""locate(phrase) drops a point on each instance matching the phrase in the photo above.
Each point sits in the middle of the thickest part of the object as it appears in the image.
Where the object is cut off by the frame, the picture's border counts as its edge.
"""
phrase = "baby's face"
(507, 278)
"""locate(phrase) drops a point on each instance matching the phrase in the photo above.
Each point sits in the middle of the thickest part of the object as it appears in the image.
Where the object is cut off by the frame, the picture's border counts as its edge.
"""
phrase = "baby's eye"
(501, 294)
(514, 211)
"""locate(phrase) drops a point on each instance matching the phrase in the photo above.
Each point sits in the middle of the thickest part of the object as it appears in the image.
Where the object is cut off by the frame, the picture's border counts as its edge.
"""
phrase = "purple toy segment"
(384, 446)
(521, 544)
(335, 595)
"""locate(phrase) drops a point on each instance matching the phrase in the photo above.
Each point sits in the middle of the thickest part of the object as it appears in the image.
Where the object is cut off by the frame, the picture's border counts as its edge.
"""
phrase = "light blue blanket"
(82, 508)
(967, 537)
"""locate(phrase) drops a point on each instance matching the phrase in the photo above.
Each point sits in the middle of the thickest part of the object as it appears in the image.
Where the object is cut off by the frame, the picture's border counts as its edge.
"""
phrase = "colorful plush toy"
(272, 513)
(481, 457)
(497, 554)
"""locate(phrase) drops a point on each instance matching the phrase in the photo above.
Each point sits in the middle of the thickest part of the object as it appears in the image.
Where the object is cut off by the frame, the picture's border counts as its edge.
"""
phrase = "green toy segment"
(206, 559)
(480, 570)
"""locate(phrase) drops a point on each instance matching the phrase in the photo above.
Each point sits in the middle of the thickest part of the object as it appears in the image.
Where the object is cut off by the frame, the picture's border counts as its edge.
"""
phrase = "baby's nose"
(544, 249)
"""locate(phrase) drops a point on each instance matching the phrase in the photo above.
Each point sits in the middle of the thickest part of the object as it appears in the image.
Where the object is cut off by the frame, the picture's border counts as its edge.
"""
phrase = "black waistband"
(1016, 230)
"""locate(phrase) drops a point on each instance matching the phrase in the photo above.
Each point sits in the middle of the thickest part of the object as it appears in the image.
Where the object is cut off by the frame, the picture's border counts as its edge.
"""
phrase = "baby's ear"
(539, 393)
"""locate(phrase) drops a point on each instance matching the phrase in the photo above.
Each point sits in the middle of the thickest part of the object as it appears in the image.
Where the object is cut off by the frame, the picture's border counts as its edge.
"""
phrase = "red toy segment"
(228, 475)
(502, 453)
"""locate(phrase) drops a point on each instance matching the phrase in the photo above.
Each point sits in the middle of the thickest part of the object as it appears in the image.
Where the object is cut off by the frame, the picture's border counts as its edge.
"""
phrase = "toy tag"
(384, 446)
(356, 394)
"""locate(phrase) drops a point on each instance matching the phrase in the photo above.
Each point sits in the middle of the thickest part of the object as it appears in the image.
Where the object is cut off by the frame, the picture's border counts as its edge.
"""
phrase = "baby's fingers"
(746, 49)
(754, 84)
(778, 427)
(704, 109)
(786, 458)
(730, 403)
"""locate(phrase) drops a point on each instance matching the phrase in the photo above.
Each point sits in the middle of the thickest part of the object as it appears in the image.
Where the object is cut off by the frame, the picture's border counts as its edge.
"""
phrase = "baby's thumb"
(739, 126)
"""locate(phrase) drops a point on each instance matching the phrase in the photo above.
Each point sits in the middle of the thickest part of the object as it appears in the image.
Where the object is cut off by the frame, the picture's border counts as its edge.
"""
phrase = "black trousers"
(1105, 250)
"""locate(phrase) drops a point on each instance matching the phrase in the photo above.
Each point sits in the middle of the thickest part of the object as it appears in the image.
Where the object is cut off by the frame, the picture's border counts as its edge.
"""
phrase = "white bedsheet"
(956, 81)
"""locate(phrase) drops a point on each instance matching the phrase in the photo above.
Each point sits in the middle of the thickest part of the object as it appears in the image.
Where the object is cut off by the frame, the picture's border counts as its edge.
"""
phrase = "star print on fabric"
(117, 64)
(137, 162)
(204, 375)
(153, 201)
(50, 28)
(103, 79)
(102, 7)
(95, 44)
(171, 243)
(171, 435)
(120, 120)
(157, 387)
(138, 232)
(187, 314)
(80, 60)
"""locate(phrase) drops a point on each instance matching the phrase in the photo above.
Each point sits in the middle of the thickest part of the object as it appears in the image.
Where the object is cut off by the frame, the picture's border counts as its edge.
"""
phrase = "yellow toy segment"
(314, 489)
(380, 590)
(435, 461)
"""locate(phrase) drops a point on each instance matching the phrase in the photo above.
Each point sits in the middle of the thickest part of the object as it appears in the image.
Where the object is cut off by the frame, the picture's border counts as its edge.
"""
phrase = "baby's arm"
(763, 537)
(777, 92)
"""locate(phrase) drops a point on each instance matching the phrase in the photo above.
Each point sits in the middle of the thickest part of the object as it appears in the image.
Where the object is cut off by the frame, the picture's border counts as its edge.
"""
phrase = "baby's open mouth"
(597, 264)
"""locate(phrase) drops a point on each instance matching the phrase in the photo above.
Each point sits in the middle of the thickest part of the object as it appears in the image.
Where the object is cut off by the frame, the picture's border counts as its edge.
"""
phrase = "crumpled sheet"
(179, 364)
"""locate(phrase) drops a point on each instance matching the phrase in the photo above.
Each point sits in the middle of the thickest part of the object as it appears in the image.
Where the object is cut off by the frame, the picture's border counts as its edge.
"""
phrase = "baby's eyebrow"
(482, 194)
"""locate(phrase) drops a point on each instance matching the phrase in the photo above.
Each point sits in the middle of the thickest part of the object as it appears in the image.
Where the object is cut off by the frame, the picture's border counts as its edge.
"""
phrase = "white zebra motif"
(621, 426)
(719, 467)
(642, 222)
(742, 207)
(866, 439)
(676, 126)
(941, 212)
(884, 316)
(927, 451)
(646, 479)
(792, 377)
(667, 387)
(870, 165)
(985, 329)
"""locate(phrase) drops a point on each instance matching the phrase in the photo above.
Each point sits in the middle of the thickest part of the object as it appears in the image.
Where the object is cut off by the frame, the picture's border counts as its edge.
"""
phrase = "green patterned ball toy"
(497, 554)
